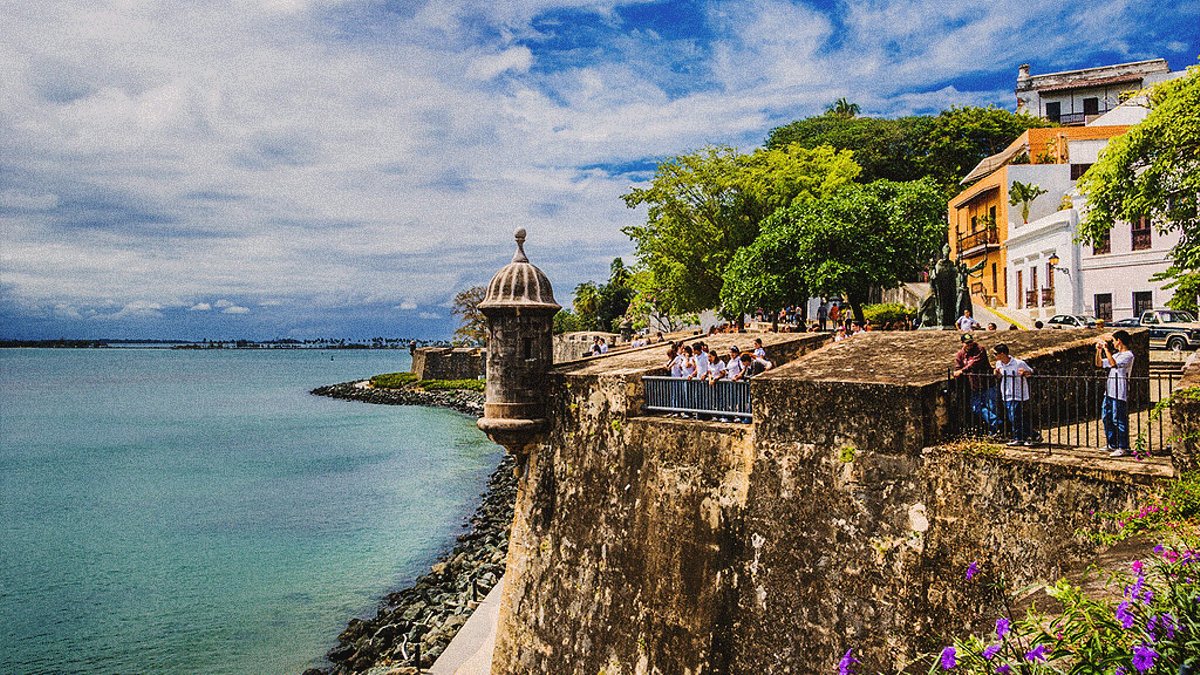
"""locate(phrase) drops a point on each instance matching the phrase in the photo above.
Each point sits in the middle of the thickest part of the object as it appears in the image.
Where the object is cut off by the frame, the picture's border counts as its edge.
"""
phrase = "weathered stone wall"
(1185, 418)
(445, 363)
(835, 521)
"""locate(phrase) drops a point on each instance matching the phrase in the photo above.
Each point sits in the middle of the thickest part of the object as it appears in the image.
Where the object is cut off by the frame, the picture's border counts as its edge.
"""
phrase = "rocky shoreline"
(431, 611)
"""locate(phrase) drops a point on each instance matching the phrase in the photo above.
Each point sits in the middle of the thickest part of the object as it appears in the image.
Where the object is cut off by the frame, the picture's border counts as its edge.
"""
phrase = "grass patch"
(393, 380)
(446, 385)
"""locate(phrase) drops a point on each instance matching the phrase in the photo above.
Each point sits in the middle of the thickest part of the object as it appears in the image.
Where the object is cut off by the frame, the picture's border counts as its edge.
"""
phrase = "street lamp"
(1054, 259)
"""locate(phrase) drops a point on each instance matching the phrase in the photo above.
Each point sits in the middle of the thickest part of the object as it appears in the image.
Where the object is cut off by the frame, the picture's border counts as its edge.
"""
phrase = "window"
(1140, 234)
(1049, 275)
(1077, 170)
(992, 215)
(1020, 288)
(1143, 301)
(1054, 111)
(1091, 106)
(995, 283)
(1103, 306)
(1102, 246)
(974, 223)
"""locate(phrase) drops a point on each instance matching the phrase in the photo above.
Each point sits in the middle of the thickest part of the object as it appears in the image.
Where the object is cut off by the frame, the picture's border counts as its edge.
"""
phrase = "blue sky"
(304, 168)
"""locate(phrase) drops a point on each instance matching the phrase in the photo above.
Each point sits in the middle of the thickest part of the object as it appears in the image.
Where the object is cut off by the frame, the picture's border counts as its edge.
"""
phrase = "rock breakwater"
(468, 402)
(435, 607)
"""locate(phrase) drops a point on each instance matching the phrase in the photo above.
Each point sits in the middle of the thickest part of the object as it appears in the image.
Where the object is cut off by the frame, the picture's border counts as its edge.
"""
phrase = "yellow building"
(981, 216)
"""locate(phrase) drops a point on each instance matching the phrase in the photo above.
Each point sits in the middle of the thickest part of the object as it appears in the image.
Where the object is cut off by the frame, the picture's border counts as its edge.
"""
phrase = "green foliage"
(445, 385)
(884, 148)
(1024, 194)
(600, 307)
(393, 380)
(472, 327)
(888, 312)
(764, 274)
(1152, 627)
(959, 138)
(860, 236)
(1154, 171)
(566, 321)
(944, 147)
(705, 206)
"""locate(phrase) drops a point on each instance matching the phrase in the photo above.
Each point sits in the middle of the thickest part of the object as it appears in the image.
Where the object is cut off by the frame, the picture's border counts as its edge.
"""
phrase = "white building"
(1076, 97)
(1111, 281)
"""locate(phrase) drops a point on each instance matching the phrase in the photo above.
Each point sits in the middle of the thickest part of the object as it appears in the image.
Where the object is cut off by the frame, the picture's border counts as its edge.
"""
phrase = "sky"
(305, 168)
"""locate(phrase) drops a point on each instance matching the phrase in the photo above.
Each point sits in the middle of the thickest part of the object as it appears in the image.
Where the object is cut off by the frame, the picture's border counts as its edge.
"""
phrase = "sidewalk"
(470, 652)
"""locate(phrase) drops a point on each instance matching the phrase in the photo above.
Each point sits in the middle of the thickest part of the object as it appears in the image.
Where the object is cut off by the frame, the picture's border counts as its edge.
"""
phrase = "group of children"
(697, 362)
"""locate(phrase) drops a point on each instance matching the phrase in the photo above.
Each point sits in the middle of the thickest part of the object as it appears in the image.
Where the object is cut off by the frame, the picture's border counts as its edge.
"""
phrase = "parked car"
(1172, 329)
(1131, 322)
(1071, 321)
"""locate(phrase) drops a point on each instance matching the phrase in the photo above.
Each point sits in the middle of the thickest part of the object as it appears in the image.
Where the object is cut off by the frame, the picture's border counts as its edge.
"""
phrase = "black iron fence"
(723, 398)
(1084, 411)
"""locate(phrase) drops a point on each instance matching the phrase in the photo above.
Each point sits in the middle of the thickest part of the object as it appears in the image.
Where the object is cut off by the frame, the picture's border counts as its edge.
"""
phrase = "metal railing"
(1065, 410)
(1047, 297)
(723, 398)
(985, 237)
(1031, 298)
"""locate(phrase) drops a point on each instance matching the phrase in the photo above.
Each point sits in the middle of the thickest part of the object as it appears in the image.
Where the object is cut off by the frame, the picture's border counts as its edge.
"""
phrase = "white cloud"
(31, 201)
(516, 59)
(200, 307)
(236, 309)
(407, 304)
(223, 303)
(429, 315)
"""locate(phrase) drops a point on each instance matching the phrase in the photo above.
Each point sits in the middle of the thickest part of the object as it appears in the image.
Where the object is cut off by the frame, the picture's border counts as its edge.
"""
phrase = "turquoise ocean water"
(198, 511)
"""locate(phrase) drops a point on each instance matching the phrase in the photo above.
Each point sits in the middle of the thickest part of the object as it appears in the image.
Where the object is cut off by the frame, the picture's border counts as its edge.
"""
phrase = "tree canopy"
(1153, 171)
(472, 328)
(859, 236)
(944, 146)
(705, 206)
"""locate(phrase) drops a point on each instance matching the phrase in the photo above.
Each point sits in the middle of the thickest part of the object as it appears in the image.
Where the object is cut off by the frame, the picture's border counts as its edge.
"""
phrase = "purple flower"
(972, 570)
(1121, 671)
(1003, 625)
(990, 651)
(1124, 616)
(1166, 621)
(1137, 567)
(1143, 658)
(947, 659)
(1038, 653)
(1003, 669)
(846, 665)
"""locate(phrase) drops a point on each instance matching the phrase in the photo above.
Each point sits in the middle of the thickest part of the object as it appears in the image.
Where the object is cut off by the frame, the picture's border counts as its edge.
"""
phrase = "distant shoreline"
(437, 604)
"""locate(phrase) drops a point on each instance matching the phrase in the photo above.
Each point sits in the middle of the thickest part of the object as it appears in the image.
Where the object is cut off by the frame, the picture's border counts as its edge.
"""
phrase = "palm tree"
(843, 108)
(1024, 194)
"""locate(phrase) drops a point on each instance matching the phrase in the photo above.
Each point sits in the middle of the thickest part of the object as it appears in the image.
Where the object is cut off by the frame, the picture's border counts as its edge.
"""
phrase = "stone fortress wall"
(446, 363)
(836, 520)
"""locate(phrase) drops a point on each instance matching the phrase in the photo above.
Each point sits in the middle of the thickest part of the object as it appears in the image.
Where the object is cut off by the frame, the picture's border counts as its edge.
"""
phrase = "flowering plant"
(1153, 628)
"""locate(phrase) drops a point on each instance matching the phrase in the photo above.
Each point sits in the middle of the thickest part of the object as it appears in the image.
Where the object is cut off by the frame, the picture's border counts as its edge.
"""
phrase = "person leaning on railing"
(1014, 390)
(971, 362)
(1113, 354)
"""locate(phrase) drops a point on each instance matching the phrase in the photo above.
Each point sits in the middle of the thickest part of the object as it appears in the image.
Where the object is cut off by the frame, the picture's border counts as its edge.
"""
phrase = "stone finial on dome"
(519, 256)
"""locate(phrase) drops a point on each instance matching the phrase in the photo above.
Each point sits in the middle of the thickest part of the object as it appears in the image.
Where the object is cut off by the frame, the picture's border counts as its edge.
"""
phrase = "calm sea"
(198, 511)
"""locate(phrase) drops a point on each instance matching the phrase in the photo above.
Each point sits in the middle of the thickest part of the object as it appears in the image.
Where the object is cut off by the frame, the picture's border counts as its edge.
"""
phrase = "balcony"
(1142, 240)
(1031, 298)
(978, 243)
(1077, 118)
(1047, 297)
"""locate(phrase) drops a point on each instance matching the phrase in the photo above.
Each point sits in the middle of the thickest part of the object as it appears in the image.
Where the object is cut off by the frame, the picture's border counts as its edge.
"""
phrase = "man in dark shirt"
(971, 362)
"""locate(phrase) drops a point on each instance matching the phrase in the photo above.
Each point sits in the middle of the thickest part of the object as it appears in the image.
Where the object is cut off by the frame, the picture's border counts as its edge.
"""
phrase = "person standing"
(1014, 390)
(966, 322)
(835, 313)
(1116, 357)
(971, 362)
(822, 314)
(759, 352)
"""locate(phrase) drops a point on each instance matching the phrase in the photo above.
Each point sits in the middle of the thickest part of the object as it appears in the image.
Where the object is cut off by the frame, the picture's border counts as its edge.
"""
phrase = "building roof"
(1092, 82)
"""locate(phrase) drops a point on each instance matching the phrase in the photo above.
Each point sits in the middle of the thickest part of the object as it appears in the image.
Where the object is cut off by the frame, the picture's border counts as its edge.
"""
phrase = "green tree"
(764, 274)
(472, 324)
(1024, 194)
(860, 236)
(1153, 171)
(885, 148)
(961, 137)
(705, 206)
(843, 108)
(587, 305)
(566, 321)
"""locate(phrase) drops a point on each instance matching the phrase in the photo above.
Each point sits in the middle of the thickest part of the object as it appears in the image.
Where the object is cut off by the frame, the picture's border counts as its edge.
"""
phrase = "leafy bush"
(393, 380)
(1154, 627)
(888, 311)
(445, 385)
(1175, 509)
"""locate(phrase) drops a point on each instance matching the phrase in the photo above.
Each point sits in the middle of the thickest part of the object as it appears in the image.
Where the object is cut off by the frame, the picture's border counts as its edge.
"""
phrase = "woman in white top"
(687, 364)
(716, 369)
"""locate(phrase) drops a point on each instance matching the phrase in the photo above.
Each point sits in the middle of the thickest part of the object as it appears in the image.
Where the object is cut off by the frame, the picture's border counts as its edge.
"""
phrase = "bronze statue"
(949, 292)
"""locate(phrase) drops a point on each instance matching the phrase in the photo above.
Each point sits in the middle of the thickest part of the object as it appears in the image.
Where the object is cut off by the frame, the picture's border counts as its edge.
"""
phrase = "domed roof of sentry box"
(519, 284)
